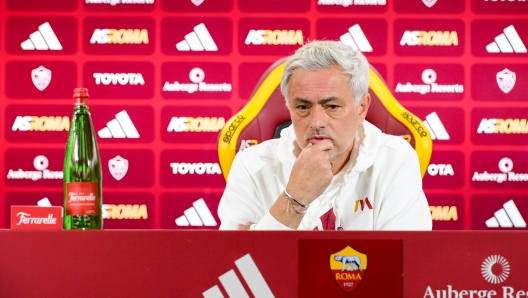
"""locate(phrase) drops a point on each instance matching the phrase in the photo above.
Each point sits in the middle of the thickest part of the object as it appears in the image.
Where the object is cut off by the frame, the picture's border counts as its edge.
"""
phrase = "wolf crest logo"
(118, 167)
(506, 80)
(197, 2)
(348, 267)
(41, 77)
(429, 3)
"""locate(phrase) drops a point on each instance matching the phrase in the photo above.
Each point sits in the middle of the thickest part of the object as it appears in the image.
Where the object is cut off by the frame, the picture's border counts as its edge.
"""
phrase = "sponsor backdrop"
(164, 76)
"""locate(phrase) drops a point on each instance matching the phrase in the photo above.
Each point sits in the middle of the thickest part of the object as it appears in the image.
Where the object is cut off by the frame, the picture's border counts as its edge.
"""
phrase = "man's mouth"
(317, 139)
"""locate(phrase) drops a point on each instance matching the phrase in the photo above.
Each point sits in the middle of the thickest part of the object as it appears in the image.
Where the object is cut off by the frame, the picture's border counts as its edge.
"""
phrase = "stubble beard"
(319, 132)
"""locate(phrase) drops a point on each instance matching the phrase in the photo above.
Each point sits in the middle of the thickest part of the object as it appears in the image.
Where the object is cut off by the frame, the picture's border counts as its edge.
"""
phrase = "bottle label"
(82, 198)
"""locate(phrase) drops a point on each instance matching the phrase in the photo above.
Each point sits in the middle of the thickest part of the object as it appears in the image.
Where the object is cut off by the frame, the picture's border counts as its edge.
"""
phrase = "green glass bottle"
(82, 170)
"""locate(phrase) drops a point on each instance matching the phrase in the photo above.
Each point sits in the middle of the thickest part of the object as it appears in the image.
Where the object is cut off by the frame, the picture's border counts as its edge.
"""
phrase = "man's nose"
(319, 118)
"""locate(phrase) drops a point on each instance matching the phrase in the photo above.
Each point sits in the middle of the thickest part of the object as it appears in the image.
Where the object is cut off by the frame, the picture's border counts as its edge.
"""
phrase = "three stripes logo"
(356, 39)
(435, 127)
(42, 39)
(198, 40)
(507, 217)
(507, 42)
(233, 286)
(198, 215)
(120, 127)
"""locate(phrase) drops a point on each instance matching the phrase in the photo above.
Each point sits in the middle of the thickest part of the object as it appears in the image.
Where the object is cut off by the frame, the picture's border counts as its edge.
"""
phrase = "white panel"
(503, 219)
(205, 213)
(437, 126)
(213, 292)
(183, 46)
(104, 133)
(27, 45)
(38, 41)
(205, 38)
(50, 37)
(492, 48)
(194, 42)
(515, 39)
(115, 129)
(193, 217)
(492, 223)
(347, 39)
(503, 43)
(514, 214)
(182, 221)
(253, 277)
(232, 285)
(127, 125)
(360, 38)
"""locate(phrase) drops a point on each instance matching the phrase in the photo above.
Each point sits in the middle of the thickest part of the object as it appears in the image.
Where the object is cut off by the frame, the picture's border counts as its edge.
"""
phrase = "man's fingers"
(323, 145)
(244, 227)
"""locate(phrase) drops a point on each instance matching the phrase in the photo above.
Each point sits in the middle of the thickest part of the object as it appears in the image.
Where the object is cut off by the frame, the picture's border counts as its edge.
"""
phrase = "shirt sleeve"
(241, 202)
(403, 202)
(268, 222)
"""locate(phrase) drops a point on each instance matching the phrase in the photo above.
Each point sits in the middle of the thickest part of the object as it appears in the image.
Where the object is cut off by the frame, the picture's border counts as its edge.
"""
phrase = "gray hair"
(318, 55)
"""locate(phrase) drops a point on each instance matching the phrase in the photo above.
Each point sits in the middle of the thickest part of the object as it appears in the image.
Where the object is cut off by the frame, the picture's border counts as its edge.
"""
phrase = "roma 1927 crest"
(429, 3)
(348, 267)
(41, 77)
(118, 167)
(197, 2)
(506, 80)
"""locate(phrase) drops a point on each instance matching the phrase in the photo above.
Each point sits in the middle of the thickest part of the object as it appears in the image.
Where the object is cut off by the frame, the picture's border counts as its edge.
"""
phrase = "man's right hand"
(311, 173)
(310, 176)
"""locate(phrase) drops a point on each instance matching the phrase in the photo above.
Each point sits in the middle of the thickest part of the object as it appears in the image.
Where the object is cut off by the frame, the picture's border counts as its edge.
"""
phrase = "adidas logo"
(198, 215)
(507, 42)
(233, 286)
(198, 40)
(42, 39)
(356, 39)
(120, 127)
(435, 127)
(507, 217)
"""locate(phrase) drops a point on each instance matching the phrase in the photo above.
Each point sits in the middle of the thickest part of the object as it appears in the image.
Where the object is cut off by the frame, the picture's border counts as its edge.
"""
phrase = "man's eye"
(302, 107)
(333, 107)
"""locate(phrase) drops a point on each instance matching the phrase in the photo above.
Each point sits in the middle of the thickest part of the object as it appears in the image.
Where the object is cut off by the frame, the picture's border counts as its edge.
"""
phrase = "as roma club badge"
(348, 267)
(118, 167)
(429, 3)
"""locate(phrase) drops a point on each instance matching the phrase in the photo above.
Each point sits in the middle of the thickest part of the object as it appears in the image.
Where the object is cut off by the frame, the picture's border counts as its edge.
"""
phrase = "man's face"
(322, 107)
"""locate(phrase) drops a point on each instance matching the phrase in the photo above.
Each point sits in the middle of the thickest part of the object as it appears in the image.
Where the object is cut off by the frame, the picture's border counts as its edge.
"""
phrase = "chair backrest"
(266, 114)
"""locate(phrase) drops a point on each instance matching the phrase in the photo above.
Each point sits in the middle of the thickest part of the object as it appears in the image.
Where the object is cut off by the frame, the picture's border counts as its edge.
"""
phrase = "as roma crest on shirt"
(348, 267)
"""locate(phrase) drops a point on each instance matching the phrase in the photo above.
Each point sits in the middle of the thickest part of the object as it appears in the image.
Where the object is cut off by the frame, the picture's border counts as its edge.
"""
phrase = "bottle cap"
(81, 96)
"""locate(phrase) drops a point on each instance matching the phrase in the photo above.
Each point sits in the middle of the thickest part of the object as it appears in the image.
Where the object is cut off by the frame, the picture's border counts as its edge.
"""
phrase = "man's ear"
(363, 106)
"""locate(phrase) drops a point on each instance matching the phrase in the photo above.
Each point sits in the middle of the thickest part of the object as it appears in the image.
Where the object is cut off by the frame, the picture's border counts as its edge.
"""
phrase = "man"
(330, 169)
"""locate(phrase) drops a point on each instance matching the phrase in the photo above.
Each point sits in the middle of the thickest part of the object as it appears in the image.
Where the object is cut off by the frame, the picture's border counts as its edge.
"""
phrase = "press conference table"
(162, 263)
